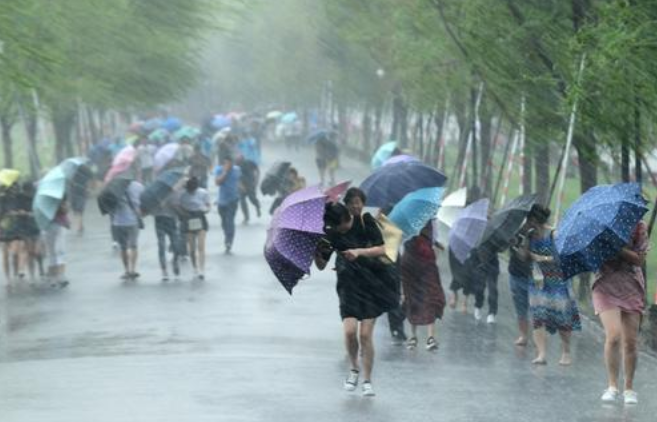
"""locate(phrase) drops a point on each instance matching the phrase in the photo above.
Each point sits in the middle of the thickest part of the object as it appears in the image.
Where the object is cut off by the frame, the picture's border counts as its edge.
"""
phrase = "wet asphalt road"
(238, 348)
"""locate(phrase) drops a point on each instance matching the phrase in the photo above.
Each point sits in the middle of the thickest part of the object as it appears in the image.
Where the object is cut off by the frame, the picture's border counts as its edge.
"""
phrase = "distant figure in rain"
(552, 306)
(199, 166)
(422, 292)
(520, 279)
(227, 177)
(292, 183)
(146, 151)
(327, 155)
(78, 191)
(55, 240)
(166, 226)
(194, 205)
(126, 224)
(485, 274)
(249, 187)
(11, 233)
(30, 232)
(619, 300)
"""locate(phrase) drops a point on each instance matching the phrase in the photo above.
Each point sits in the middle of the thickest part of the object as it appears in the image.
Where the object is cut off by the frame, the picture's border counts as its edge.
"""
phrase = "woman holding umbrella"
(358, 242)
(195, 204)
(552, 305)
(618, 299)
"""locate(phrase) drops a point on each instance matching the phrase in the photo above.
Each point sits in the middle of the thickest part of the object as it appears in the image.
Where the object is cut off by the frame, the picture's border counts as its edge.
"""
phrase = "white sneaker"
(351, 382)
(491, 319)
(630, 397)
(610, 395)
(368, 390)
(478, 314)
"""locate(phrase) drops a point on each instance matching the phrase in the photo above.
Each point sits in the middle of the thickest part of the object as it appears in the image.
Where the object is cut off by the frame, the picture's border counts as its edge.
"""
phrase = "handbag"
(195, 224)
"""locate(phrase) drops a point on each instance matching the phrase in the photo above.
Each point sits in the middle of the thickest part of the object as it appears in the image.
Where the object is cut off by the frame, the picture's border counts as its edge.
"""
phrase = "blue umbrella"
(289, 117)
(597, 226)
(220, 122)
(468, 228)
(158, 191)
(417, 208)
(50, 194)
(172, 124)
(383, 154)
(389, 184)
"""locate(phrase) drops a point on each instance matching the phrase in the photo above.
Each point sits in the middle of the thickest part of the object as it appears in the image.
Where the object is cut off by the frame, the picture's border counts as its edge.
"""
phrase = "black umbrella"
(112, 193)
(504, 225)
(159, 190)
(275, 177)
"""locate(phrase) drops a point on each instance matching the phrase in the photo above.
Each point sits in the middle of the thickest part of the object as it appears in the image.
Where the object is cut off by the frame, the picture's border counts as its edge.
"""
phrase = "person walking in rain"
(327, 154)
(520, 279)
(485, 276)
(618, 299)
(199, 166)
(126, 223)
(552, 304)
(29, 231)
(166, 225)
(357, 241)
(78, 191)
(249, 187)
(55, 240)
(422, 295)
(194, 205)
(227, 177)
(462, 280)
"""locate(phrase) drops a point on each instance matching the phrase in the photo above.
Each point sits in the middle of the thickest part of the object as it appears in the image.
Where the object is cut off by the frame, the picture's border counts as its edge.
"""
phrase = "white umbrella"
(451, 207)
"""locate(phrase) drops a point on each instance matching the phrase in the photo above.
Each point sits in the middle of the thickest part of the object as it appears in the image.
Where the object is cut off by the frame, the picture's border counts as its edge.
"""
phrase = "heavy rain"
(328, 210)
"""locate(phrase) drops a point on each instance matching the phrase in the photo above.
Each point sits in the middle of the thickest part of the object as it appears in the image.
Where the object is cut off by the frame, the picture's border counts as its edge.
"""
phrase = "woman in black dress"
(364, 287)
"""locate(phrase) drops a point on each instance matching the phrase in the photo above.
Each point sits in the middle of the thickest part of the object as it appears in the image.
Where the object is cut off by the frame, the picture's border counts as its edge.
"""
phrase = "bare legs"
(196, 242)
(355, 340)
(621, 330)
(540, 339)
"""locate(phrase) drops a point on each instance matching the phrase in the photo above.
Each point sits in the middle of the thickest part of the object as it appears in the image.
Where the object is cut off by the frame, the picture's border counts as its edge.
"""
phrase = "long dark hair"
(334, 215)
(354, 193)
(540, 214)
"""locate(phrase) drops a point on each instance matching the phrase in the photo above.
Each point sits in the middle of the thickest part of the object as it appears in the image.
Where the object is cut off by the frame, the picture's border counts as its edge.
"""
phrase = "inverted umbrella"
(452, 206)
(389, 184)
(597, 226)
(293, 236)
(164, 155)
(275, 177)
(468, 228)
(122, 162)
(156, 193)
(402, 158)
(49, 195)
(9, 176)
(334, 193)
(415, 210)
(382, 154)
(504, 225)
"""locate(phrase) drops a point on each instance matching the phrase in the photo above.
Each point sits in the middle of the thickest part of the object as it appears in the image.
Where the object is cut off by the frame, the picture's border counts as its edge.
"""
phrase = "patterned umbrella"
(413, 212)
(468, 229)
(389, 184)
(597, 226)
(296, 228)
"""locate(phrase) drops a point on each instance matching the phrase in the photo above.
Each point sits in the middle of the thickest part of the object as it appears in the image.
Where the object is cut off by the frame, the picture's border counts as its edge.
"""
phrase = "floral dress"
(552, 305)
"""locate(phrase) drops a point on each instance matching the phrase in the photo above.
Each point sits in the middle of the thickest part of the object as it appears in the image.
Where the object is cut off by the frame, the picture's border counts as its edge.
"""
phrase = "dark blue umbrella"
(328, 135)
(389, 184)
(156, 192)
(597, 226)
(504, 224)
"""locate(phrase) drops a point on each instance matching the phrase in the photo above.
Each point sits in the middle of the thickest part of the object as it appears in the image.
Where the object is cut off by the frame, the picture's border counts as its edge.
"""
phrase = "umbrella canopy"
(49, 195)
(293, 236)
(402, 158)
(109, 197)
(71, 165)
(122, 162)
(468, 229)
(452, 206)
(159, 136)
(597, 226)
(415, 210)
(8, 177)
(274, 115)
(389, 184)
(274, 177)
(186, 132)
(505, 224)
(289, 117)
(164, 155)
(220, 121)
(322, 134)
(334, 193)
(157, 192)
(153, 124)
(172, 124)
(382, 154)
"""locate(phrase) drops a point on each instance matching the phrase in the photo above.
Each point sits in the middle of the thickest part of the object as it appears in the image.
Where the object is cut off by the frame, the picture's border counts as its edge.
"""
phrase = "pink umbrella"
(334, 193)
(164, 155)
(122, 162)
(403, 158)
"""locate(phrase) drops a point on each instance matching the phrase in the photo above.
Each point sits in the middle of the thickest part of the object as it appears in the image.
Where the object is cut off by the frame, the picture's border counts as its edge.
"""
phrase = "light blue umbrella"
(186, 132)
(71, 165)
(289, 117)
(468, 229)
(416, 209)
(383, 154)
(49, 195)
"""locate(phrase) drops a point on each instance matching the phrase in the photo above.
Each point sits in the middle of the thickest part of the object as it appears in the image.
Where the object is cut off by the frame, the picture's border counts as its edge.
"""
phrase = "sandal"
(411, 344)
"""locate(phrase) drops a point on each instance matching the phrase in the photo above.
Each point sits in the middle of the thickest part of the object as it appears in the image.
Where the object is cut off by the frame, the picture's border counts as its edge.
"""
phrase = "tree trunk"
(403, 124)
(542, 167)
(367, 130)
(343, 124)
(486, 153)
(7, 142)
(527, 169)
(625, 157)
(378, 130)
(588, 160)
(31, 127)
(63, 119)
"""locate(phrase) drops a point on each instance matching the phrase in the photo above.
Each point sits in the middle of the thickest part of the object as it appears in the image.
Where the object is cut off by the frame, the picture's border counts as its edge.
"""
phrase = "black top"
(364, 233)
(519, 267)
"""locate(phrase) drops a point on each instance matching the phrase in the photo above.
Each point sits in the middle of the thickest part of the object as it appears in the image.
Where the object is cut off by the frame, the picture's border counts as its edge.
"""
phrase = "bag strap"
(130, 204)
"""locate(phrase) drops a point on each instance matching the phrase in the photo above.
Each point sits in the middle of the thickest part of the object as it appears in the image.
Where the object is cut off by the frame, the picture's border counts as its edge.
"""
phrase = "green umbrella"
(71, 165)
(50, 193)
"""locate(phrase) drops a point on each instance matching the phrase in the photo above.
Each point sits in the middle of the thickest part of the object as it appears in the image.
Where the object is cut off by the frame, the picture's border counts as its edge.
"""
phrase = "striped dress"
(553, 305)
